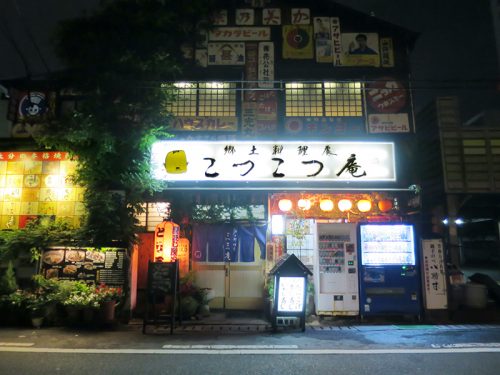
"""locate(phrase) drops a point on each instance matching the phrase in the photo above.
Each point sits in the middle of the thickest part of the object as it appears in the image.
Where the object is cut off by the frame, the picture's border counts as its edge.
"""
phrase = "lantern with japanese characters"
(183, 256)
(166, 241)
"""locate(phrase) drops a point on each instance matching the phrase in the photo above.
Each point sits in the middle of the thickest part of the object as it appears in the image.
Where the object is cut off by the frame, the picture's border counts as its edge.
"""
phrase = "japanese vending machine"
(335, 270)
(389, 277)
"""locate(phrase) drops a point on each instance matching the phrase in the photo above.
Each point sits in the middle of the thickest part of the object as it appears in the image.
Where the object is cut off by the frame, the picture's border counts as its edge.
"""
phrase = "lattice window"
(203, 99)
(304, 99)
(343, 99)
(336, 99)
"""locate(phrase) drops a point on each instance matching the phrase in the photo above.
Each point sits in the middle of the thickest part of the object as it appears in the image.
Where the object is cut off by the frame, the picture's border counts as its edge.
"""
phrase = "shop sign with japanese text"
(273, 161)
(222, 34)
(190, 124)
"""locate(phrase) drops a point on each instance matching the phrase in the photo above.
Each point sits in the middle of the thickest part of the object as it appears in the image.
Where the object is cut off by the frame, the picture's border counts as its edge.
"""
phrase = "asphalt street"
(353, 349)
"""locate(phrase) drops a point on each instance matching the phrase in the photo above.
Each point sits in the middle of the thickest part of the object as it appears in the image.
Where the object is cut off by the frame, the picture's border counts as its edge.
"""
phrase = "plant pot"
(204, 310)
(37, 322)
(107, 311)
(73, 315)
(89, 315)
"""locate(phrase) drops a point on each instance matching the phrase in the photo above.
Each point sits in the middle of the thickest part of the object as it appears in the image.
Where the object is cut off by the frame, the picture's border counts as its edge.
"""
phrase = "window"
(340, 99)
(204, 99)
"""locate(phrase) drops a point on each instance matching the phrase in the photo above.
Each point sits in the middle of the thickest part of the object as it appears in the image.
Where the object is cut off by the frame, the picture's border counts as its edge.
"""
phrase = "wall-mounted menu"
(87, 264)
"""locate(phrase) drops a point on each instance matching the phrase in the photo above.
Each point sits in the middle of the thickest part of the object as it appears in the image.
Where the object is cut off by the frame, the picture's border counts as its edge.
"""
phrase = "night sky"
(454, 54)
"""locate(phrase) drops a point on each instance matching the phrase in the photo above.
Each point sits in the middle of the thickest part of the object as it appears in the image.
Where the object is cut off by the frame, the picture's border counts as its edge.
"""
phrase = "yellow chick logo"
(176, 162)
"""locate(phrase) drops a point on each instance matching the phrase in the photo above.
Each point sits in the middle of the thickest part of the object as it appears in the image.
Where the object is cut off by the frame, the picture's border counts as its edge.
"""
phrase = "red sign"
(386, 95)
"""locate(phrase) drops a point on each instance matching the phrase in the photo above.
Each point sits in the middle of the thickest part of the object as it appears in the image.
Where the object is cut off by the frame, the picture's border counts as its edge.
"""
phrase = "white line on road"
(17, 343)
(253, 351)
(230, 347)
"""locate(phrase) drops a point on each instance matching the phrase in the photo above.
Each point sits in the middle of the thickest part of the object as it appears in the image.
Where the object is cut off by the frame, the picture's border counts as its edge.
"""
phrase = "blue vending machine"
(389, 278)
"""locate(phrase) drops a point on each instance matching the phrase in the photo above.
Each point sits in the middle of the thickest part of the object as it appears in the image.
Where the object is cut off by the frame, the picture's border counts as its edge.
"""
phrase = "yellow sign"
(297, 42)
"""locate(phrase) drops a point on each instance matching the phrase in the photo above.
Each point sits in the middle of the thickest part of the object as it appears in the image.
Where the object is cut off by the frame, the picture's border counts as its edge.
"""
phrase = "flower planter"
(107, 311)
(73, 315)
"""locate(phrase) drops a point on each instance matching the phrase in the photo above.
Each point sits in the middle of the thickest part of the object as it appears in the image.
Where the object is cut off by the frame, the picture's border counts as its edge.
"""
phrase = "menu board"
(87, 264)
(434, 274)
(161, 278)
(387, 244)
(291, 294)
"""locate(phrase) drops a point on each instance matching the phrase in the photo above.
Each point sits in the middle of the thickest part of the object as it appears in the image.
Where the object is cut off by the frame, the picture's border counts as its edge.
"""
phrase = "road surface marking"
(254, 351)
(22, 344)
(469, 345)
(230, 347)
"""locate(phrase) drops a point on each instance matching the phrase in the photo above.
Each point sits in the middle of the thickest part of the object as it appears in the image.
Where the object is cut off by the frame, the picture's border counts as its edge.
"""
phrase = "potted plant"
(36, 304)
(109, 297)
(82, 300)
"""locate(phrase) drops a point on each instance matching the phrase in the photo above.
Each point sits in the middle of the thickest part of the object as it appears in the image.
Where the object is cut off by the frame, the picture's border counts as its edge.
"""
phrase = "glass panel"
(184, 103)
(343, 99)
(304, 99)
(217, 99)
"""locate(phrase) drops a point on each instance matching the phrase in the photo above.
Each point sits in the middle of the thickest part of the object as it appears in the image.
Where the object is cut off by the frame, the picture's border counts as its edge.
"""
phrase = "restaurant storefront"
(244, 204)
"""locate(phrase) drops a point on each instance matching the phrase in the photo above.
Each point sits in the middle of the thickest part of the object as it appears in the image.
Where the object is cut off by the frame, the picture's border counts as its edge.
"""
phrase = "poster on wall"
(297, 42)
(266, 65)
(271, 16)
(388, 106)
(323, 40)
(336, 41)
(324, 126)
(300, 16)
(386, 53)
(226, 53)
(239, 34)
(202, 124)
(219, 17)
(360, 49)
(245, 16)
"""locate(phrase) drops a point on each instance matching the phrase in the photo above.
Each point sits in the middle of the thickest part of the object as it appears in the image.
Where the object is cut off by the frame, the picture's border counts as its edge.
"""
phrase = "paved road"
(231, 363)
(363, 349)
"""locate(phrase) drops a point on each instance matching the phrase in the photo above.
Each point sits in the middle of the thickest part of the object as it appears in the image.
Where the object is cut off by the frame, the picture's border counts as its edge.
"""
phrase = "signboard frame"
(163, 281)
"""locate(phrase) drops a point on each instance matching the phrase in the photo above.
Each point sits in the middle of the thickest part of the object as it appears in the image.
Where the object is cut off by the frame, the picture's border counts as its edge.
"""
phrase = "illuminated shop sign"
(273, 161)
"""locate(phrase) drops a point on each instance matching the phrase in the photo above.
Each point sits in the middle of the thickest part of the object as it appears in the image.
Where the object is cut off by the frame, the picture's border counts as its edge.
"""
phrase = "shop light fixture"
(285, 205)
(344, 205)
(326, 205)
(304, 204)
(364, 205)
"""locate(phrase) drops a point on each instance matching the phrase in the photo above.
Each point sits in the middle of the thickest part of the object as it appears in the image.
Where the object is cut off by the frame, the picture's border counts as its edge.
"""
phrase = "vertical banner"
(323, 40)
(336, 41)
(434, 274)
(266, 65)
(297, 42)
(386, 53)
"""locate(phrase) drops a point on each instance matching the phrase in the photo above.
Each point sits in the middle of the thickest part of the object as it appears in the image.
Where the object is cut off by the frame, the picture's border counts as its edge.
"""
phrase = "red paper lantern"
(385, 205)
(166, 241)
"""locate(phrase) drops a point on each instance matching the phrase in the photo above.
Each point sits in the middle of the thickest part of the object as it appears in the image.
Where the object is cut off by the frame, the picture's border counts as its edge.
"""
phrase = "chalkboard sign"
(163, 281)
(105, 265)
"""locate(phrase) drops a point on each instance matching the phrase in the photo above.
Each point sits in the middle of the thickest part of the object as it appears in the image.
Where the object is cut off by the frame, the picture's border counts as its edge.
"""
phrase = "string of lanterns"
(328, 205)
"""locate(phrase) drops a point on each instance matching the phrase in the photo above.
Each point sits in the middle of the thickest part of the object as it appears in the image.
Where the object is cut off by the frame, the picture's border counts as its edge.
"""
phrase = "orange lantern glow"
(285, 205)
(364, 205)
(326, 205)
(385, 205)
(344, 205)
(304, 204)
(166, 241)
(183, 256)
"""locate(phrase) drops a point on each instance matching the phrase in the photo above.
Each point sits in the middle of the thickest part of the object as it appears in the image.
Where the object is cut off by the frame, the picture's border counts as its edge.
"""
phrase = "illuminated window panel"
(343, 99)
(304, 99)
(217, 99)
(184, 103)
(34, 184)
